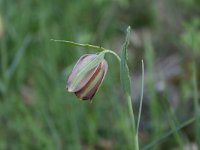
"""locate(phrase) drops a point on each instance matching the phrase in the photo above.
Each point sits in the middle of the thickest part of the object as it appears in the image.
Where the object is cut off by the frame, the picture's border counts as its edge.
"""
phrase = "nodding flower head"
(87, 76)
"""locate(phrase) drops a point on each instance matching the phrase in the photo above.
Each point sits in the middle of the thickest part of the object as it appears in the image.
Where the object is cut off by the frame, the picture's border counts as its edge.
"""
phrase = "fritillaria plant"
(89, 73)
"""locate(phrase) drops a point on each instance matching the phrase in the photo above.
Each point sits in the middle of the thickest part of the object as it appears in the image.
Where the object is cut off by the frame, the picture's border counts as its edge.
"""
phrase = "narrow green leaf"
(88, 46)
(124, 71)
(141, 99)
(126, 85)
(80, 45)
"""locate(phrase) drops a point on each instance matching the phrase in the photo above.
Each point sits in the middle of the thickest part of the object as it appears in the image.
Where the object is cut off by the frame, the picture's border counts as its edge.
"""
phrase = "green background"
(37, 112)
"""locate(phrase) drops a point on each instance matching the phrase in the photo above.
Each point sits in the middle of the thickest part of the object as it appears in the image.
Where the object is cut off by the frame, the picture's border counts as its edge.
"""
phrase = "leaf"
(124, 71)
(88, 46)
(126, 85)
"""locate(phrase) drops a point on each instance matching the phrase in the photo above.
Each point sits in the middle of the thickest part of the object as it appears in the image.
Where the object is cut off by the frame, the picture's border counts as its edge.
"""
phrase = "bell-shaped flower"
(87, 76)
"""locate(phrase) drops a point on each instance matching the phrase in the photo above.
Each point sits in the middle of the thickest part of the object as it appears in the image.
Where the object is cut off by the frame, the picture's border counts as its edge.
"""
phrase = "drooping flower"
(87, 76)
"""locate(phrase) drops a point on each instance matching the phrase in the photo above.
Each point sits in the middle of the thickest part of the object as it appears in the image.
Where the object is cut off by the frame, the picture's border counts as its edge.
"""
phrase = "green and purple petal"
(88, 84)
(92, 86)
(79, 65)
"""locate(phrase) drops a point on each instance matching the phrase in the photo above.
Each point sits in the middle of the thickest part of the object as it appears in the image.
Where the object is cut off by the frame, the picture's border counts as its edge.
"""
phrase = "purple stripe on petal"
(87, 94)
(81, 62)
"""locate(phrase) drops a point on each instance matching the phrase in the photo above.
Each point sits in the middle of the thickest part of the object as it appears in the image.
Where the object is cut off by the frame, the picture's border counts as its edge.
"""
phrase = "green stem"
(112, 52)
(130, 108)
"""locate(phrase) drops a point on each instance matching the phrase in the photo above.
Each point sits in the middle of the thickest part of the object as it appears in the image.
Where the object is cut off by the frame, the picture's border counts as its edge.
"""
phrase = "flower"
(87, 76)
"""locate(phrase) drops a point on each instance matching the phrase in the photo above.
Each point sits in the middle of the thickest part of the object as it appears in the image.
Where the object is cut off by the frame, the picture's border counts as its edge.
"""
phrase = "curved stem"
(115, 54)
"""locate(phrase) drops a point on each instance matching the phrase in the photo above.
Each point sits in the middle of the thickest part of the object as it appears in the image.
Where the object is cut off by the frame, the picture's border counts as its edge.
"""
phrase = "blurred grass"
(154, 104)
(36, 112)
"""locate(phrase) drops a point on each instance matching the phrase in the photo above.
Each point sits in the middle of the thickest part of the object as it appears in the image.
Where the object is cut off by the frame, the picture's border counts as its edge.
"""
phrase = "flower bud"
(87, 76)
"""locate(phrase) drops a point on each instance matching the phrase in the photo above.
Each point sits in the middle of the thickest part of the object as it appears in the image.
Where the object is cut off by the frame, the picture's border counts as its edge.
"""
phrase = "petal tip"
(69, 89)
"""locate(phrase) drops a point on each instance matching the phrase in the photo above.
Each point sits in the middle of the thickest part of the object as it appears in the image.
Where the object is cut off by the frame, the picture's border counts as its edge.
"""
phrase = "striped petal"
(86, 77)
(91, 87)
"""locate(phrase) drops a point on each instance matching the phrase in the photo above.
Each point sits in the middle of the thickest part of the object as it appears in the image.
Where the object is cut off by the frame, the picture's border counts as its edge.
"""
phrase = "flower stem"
(135, 138)
(115, 54)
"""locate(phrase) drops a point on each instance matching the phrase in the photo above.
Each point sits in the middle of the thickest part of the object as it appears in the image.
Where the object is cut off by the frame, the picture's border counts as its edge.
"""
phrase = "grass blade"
(141, 98)
(164, 136)
(18, 57)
